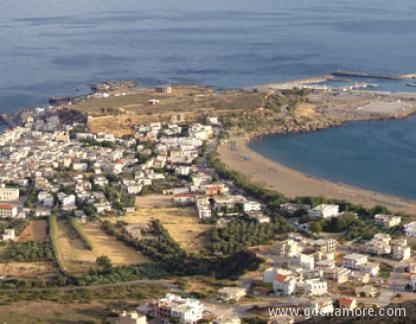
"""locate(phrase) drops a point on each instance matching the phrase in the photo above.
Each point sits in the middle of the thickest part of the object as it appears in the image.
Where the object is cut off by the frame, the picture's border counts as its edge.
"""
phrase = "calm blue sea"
(377, 155)
(54, 47)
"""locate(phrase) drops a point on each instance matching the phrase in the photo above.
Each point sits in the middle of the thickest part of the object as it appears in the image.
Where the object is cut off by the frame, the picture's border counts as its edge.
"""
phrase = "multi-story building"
(354, 260)
(400, 250)
(409, 229)
(379, 244)
(387, 221)
(185, 310)
(325, 245)
(8, 194)
(324, 211)
(287, 248)
(337, 274)
(284, 284)
(7, 210)
(316, 287)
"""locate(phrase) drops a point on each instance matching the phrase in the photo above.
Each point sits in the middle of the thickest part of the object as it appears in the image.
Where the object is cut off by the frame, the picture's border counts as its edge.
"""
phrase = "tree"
(104, 263)
(316, 227)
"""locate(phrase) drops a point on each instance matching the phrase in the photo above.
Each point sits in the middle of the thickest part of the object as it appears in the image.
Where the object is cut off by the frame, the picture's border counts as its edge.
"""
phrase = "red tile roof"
(281, 278)
(7, 206)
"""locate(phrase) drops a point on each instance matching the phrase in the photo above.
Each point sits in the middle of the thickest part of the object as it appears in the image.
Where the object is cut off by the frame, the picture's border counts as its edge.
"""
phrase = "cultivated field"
(182, 224)
(36, 231)
(77, 259)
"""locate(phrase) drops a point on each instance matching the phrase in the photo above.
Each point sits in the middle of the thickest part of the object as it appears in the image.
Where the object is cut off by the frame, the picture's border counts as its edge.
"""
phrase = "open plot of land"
(36, 231)
(154, 201)
(385, 107)
(77, 259)
(118, 252)
(181, 223)
(27, 269)
(181, 99)
(50, 312)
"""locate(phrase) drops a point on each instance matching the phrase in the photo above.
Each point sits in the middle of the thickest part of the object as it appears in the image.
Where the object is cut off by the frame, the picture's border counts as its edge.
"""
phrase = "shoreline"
(292, 183)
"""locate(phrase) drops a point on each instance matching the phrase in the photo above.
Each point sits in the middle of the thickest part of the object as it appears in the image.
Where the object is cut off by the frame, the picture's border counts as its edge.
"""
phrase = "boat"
(411, 84)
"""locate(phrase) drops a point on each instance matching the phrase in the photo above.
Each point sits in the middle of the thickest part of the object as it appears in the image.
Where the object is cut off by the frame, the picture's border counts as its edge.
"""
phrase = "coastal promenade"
(236, 155)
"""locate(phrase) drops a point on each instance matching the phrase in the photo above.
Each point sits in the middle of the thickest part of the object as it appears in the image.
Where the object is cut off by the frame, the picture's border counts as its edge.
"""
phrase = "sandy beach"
(292, 183)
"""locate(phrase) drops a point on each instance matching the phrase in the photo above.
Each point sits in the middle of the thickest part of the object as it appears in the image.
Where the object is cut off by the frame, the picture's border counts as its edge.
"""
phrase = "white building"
(284, 284)
(7, 210)
(8, 194)
(399, 249)
(324, 211)
(387, 221)
(131, 318)
(379, 244)
(231, 293)
(354, 261)
(9, 235)
(185, 310)
(316, 287)
(410, 229)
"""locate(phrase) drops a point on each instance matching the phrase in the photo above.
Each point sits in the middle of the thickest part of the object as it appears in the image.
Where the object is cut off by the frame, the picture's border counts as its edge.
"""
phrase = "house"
(324, 211)
(387, 221)
(183, 310)
(8, 210)
(183, 198)
(231, 293)
(409, 229)
(284, 284)
(354, 260)
(360, 277)
(412, 281)
(287, 248)
(379, 244)
(370, 267)
(251, 205)
(306, 261)
(131, 318)
(291, 209)
(366, 291)
(325, 245)
(8, 235)
(8, 194)
(164, 89)
(321, 305)
(316, 287)
(399, 249)
(270, 274)
(347, 303)
(337, 274)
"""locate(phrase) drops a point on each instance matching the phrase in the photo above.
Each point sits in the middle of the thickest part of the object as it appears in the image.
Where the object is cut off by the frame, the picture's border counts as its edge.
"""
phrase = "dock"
(371, 75)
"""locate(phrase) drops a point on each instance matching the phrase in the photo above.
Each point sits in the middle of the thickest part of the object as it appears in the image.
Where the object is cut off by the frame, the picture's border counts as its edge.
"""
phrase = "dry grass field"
(181, 223)
(119, 114)
(51, 312)
(154, 201)
(118, 252)
(77, 259)
(39, 269)
(36, 231)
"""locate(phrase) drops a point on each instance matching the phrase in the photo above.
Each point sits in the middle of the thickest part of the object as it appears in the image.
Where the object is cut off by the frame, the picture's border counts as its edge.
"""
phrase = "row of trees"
(29, 251)
(241, 234)
(80, 232)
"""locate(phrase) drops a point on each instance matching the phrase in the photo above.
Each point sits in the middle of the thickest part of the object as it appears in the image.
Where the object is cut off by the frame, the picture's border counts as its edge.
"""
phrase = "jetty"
(370, 75)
